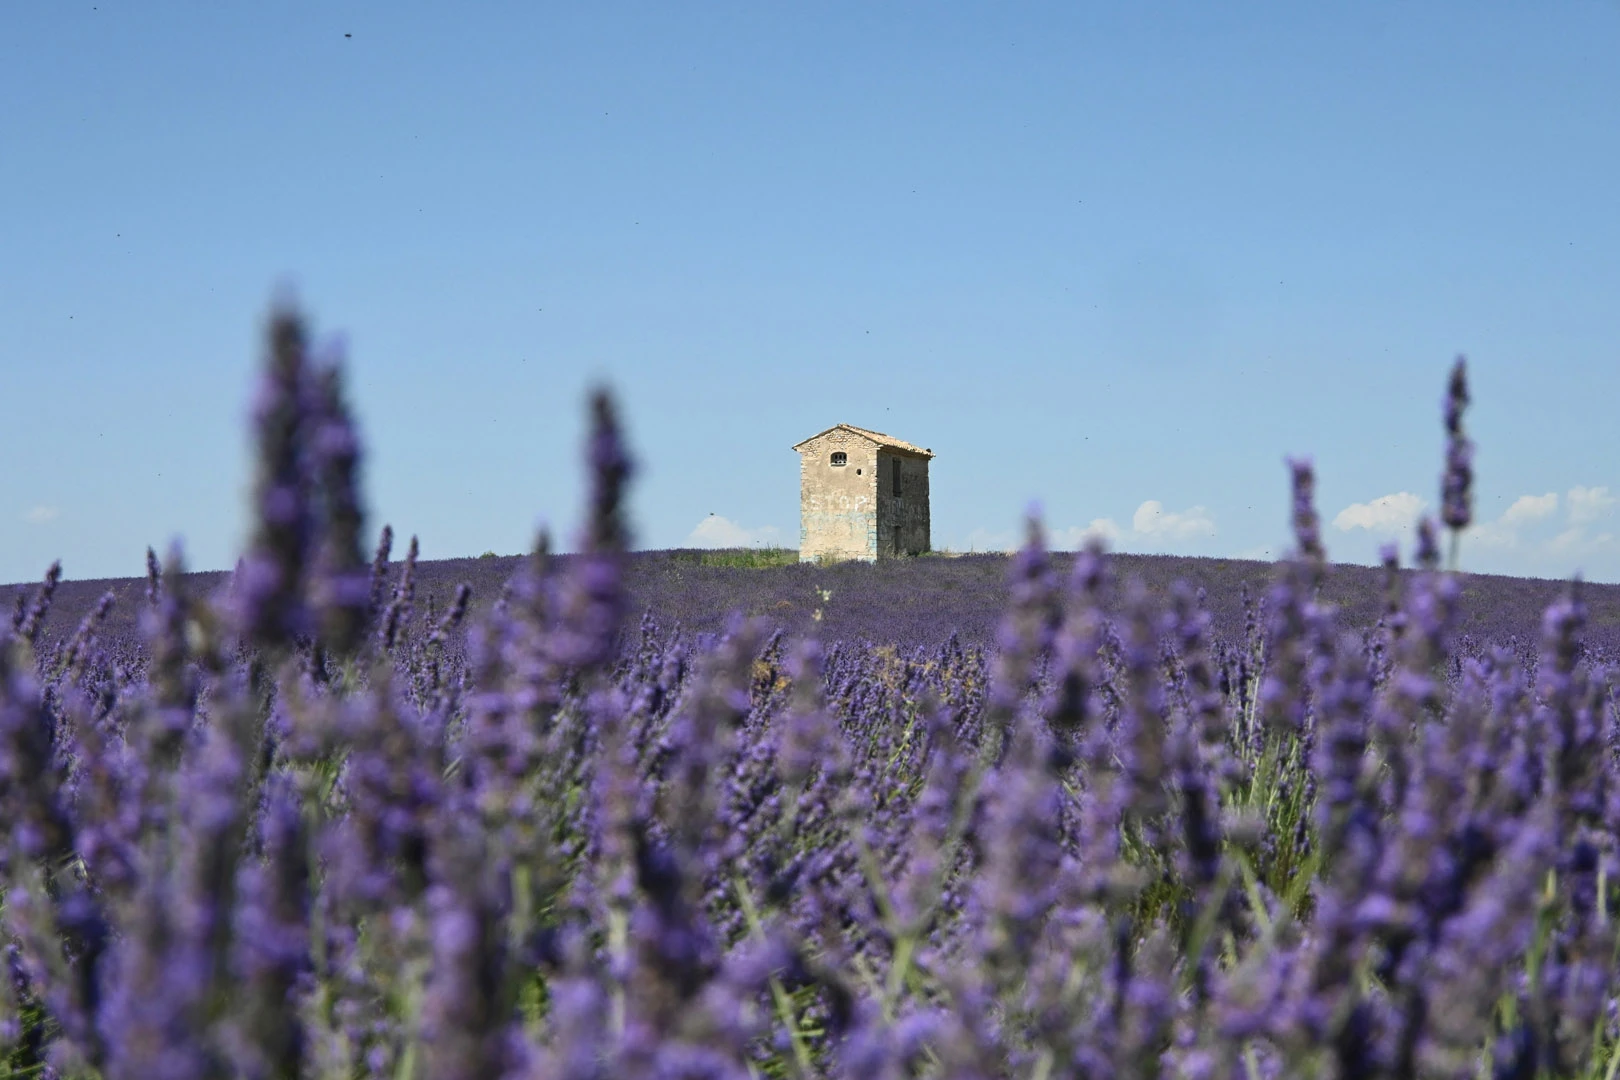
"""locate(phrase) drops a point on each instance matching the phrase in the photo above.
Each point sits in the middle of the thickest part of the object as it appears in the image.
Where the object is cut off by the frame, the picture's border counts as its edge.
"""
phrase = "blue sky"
(1118, 258)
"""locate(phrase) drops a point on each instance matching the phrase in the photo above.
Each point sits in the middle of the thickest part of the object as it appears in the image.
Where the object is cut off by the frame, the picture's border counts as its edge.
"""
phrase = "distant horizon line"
(941, 552)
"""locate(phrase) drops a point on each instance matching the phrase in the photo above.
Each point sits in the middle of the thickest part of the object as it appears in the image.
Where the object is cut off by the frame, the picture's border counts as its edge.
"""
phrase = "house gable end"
(876, 438)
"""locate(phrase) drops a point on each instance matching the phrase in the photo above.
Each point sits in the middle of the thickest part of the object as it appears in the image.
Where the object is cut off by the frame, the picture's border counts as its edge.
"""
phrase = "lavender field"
(631, 815)
(908, 603)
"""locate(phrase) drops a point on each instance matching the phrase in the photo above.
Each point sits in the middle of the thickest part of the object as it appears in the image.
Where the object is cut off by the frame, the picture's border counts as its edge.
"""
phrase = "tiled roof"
(888, 441)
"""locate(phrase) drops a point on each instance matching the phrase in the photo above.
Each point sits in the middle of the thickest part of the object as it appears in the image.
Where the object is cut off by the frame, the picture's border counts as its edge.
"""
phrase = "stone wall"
(838, 503)
(902, 520)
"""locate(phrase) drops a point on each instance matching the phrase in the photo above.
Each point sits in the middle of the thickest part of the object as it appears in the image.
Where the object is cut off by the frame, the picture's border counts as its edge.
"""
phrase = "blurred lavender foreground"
(298, 835)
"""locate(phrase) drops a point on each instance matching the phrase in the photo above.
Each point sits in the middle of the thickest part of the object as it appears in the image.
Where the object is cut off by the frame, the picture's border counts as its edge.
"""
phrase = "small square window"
(840, 458)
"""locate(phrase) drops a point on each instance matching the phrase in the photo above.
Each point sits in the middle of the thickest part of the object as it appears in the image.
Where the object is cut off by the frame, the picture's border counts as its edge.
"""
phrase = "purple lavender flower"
(1473, 962)
(153, 577)
(577, 1035)
(172, 681)
(1142, 722)
(1077, 648)
(379, 572)
(1017, 883)
(270, 586)
(1200, 764)
(270, 949)
(399, 610)
(1427, 555)
(28, 621)
(593, 602)
(339, 586)
(76, 654)
(465, 1029)
(173, 966)
(58, 925)
(1024, 638)
(38, 824)
(1456, 489)
(1307, 526)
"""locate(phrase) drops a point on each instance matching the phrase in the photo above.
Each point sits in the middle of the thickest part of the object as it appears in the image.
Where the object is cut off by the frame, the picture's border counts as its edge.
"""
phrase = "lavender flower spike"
(1307, 526)
(379, 571)
(594, 600)
(1427, 555)
(399, 610)
(340, 587)
(270, 609)
(28, 622)
(610, 469)
(154, 575)
(1456, 486)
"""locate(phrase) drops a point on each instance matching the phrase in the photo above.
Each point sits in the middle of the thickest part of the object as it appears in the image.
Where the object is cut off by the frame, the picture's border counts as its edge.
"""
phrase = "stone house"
(862, 495)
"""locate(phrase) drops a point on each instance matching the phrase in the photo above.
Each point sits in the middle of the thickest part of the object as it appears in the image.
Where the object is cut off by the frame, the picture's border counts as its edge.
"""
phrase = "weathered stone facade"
(862, 495)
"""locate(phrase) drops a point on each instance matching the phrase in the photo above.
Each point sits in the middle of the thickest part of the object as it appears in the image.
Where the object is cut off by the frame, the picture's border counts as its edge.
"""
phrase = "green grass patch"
(745, 558)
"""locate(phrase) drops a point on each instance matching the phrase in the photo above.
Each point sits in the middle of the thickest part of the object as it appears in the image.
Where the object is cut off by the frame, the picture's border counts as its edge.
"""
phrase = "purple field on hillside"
(910, 602)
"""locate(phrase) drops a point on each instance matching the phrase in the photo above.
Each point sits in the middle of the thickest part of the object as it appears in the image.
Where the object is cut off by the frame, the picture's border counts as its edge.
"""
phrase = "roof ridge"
(876, 436)
(891, 440)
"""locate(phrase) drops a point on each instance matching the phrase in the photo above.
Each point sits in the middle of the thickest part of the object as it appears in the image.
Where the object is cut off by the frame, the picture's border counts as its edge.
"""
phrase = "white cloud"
(1507, 530)
(1525, 539)
(715, 531)
(40, 515)
(1575, 542)
(1152, 519)
(1492, 534)
(1567, 542)
(1152, 528)
(1387, 513)
(1104, 530)
(1527, 508)
(1587, 504)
